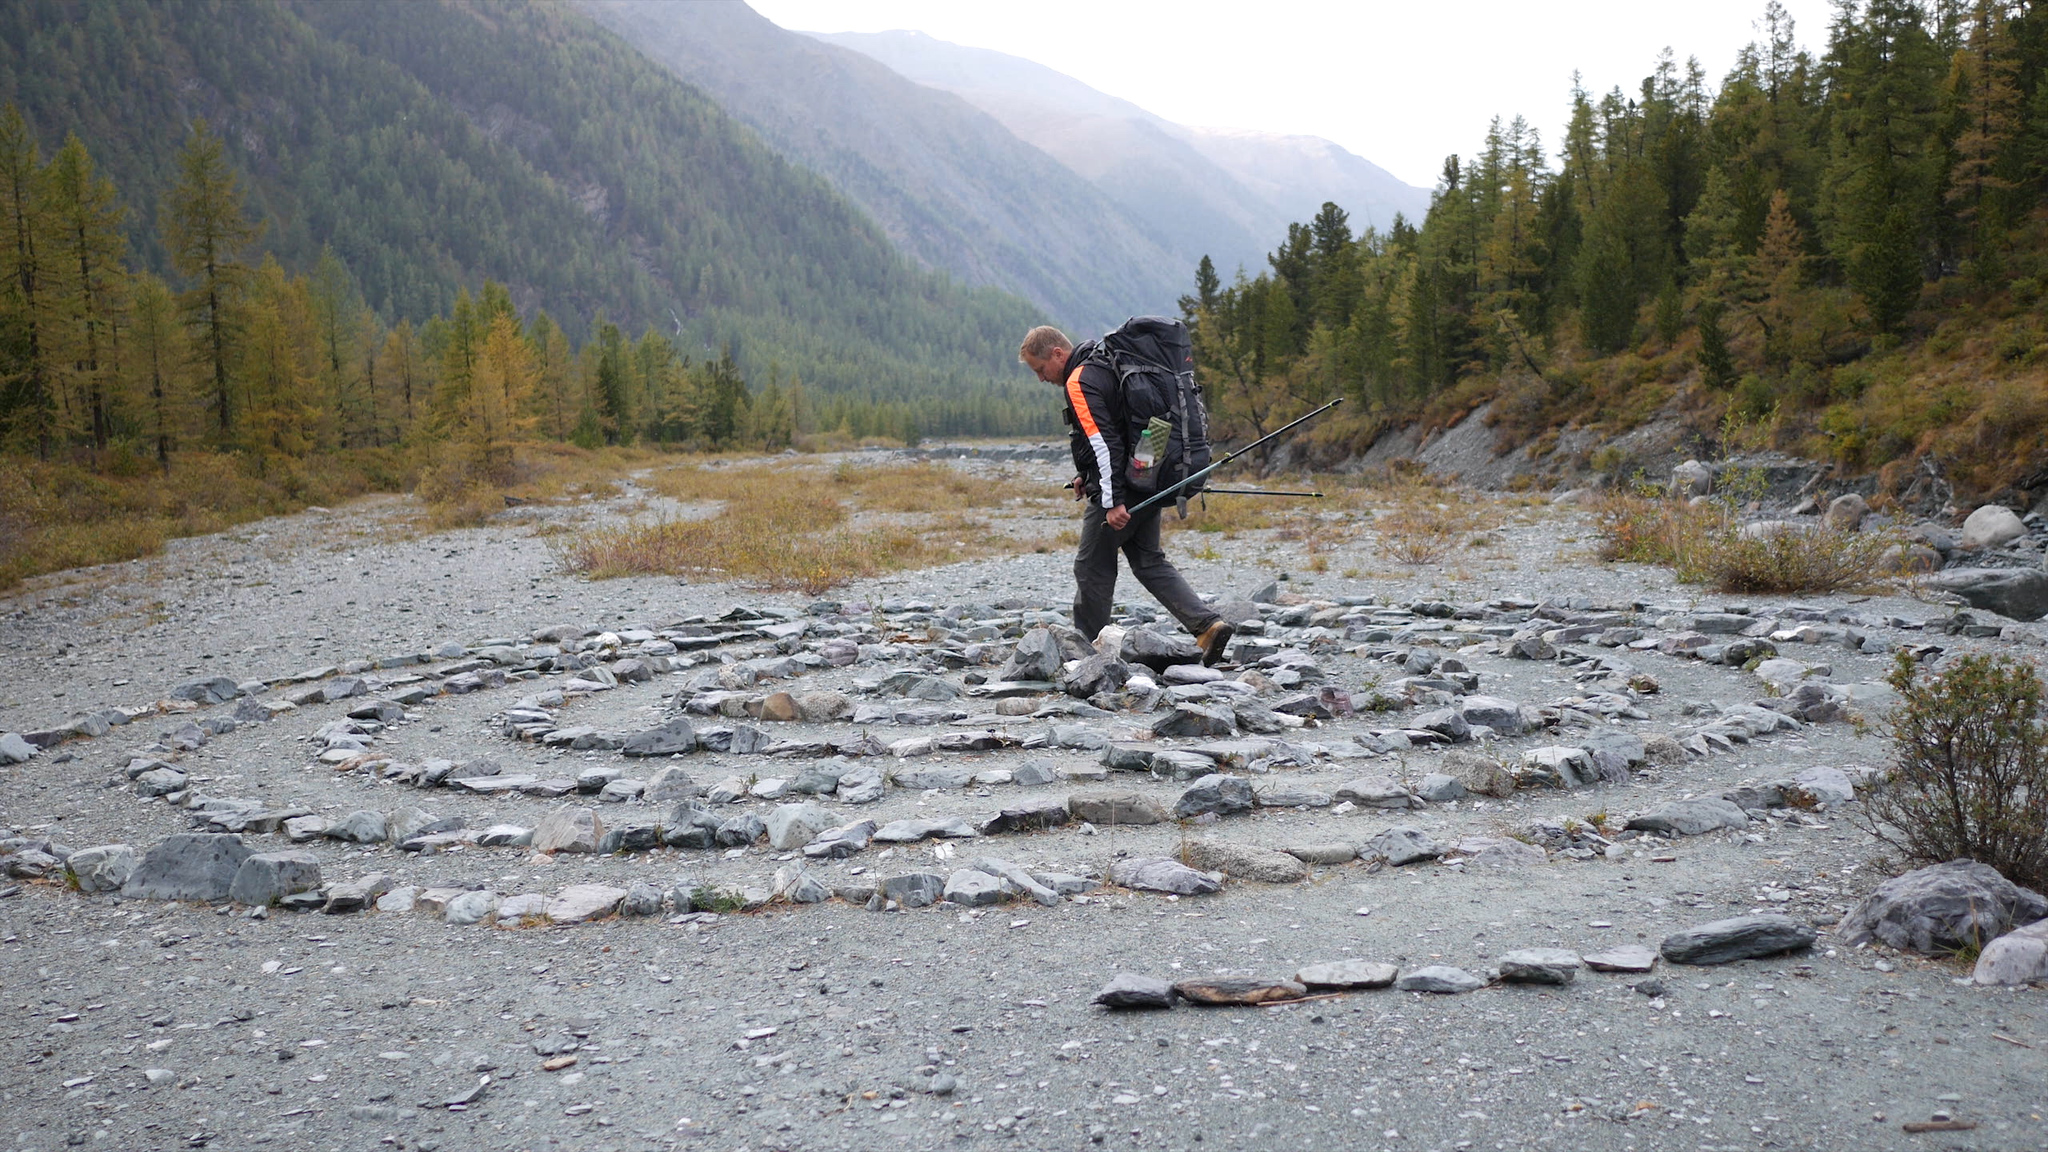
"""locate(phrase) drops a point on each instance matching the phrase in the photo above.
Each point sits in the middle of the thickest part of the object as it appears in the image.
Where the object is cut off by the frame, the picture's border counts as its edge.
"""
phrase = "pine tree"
(156, 359)
(206, 233)
(87, 279)
(27, 401)
(1983, 87)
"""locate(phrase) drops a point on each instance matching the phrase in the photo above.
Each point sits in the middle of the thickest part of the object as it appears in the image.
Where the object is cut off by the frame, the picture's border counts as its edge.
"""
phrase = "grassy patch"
(1704, 544)
(793, 527)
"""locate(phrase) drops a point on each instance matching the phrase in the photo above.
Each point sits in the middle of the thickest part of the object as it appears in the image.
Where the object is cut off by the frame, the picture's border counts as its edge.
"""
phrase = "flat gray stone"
(1439, 978)
(1105, 807)
(103, 868)
(1127, 991)
(1346, 974)
(187, 866)
(973, 888)
(673, 738)
(1439, 788)
(1019, 879)
(2017, 593)
(841, 842)
(356, 895)
(1540, 966)
(1737, 938)
(1375, 792)
(1244, 861)
(267, 877)
(1626, 958)
(1158, 874)
(581, 903)
(1326, 854)
(1693, 817)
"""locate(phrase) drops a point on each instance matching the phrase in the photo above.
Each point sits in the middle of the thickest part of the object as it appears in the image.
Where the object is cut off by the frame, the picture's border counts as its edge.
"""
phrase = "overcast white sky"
(1399, 84)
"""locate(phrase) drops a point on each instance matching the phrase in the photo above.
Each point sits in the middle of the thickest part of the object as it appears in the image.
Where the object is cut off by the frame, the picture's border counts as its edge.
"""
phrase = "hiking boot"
(1212, 642)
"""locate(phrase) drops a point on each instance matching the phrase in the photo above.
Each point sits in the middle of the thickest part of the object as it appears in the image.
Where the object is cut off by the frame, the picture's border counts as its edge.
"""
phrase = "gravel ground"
(146, 1025)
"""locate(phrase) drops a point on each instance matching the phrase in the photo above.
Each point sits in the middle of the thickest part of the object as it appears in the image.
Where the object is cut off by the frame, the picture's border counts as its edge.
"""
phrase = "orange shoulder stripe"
(1080, 403)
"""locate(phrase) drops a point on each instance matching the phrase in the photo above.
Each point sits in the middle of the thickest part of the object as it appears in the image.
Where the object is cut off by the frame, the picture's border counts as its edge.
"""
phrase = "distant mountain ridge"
(953, 188)
(1224, 192)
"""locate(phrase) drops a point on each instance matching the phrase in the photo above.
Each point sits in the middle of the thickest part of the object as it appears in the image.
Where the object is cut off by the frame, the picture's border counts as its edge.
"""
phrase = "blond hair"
(1040, 341)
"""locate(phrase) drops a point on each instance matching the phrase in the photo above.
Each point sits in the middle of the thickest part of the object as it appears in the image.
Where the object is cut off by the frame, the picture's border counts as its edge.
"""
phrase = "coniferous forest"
(1845, 251)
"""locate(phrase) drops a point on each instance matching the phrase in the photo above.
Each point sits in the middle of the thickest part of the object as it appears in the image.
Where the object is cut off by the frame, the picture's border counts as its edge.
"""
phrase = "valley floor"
(145, 1025)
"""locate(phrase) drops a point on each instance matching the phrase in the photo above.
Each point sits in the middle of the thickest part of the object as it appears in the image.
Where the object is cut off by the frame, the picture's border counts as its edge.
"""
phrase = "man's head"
(1045, 352)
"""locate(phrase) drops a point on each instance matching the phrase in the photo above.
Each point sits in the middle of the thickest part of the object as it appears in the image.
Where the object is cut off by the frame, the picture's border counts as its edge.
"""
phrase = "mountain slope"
(953, 188)
(1213, 191)
(435, 144)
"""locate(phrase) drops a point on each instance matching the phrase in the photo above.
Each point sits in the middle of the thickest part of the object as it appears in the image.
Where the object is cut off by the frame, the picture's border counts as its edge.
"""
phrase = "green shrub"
(1970, 774)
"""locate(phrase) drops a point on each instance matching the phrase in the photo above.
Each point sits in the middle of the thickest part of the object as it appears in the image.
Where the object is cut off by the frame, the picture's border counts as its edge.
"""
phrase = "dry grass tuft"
(1704, 544)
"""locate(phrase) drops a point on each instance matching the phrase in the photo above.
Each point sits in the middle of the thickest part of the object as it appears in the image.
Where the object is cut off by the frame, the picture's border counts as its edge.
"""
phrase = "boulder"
(1244, 861)
(1218, 794)
(1131, 991)
(1158, 874)
(1158, 651)
(1539, 966)
(470, 908)
(1692, 478)
(914, 889)
(2018, 957)
(1196, 720)
(1029, 817)
(1402, 844)
(1037, 657)
(360, 827)
(104, 868)
(1479, 773)
(2017, 593)
(1846, 512)
(1737, 938)
(1503, 716)
(1992, 526)
(14, 749)
(1103, 672)
(795, 825)
(673, 738)
(187, 866)
(267, 877)
(568, 829)
(821, 706)
(1942, 909)
(1109, 807)
(356, 895)
(1018, 879)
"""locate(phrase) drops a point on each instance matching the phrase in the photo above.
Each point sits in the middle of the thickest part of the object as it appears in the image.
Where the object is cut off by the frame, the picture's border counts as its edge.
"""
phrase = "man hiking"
(1095, 428)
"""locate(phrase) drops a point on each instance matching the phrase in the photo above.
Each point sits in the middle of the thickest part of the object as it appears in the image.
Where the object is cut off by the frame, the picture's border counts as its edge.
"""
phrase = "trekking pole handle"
(1171, 490)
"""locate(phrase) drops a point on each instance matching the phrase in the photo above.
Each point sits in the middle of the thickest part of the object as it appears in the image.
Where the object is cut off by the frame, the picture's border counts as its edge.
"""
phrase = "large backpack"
(1154, 364)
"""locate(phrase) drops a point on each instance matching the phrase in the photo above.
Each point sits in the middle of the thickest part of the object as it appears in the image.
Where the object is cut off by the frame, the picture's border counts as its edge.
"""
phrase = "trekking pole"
(1255, 492)
(1172, 490)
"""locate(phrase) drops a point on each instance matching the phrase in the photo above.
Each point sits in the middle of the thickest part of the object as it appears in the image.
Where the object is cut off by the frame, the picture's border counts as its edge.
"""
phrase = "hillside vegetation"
(435, 145)
(1846, 253)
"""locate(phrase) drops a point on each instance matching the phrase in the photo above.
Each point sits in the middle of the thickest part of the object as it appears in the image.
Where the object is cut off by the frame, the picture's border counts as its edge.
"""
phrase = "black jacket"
(1095, 427)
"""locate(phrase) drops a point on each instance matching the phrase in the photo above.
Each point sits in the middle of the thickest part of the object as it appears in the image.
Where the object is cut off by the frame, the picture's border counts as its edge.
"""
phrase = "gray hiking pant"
(1095, 573)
